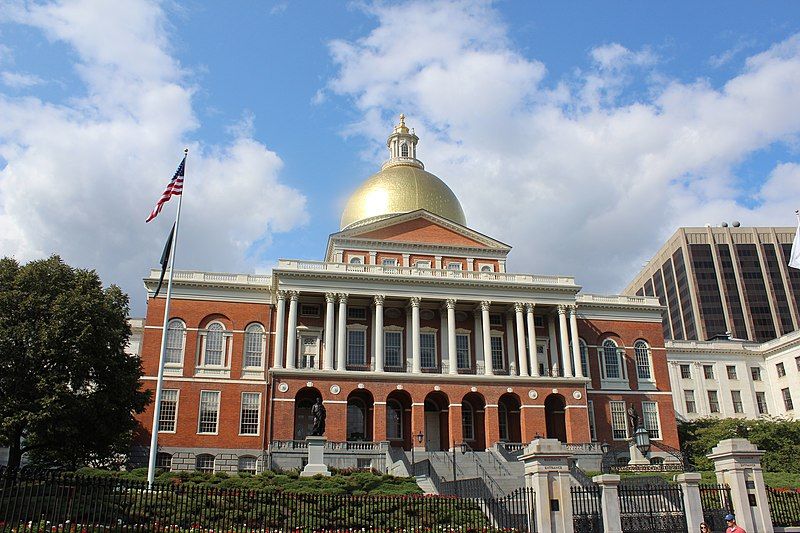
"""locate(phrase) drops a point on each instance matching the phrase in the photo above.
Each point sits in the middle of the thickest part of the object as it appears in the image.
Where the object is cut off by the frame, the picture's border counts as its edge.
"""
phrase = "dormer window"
(404, 150)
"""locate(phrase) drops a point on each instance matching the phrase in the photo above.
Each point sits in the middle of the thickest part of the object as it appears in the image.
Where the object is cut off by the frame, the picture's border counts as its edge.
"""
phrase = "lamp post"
(413, 461)
(604, 462)
(642, 439)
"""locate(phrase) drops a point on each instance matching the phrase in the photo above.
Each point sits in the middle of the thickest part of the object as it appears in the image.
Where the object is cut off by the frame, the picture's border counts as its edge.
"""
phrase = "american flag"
(175, 188)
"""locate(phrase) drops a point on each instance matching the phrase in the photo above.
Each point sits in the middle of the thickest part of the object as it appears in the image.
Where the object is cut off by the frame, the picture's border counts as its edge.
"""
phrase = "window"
(204, 462)
(619, 422)
(422, 264)
(688, 396)
(164, 460)
(454, 265)
(686, 372)
(394, 420)
(214, 353)
(176, 336)
(495, 320)
(736, 398)
(393, 349)
(356, 418)
(356, 347)
(169, 411)
(427, 350)
(650, 419)
(309, 349)
(467, 422)
(708, 371)
(247, 464)
(498, 362)
(611, 360)
(357, 313)
(309, 310)
(254, 346)
(209, 411)
(787, 399)
(731, 372)
(755, 372)
(761, 403)
(780, 369)
(642, 351)
(357, 260)
(502, 421)
(462, 350)
(487, 268)
(713, 401)
(249, 417)
(584, 357)
(404, 150)
(389, 262)
(538, 321)
(592, 427)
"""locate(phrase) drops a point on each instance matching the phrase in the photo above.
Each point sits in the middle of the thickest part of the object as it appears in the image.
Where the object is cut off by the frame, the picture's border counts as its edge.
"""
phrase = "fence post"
(737, 463)
(609, 502)
(547, 473)
(692, 504)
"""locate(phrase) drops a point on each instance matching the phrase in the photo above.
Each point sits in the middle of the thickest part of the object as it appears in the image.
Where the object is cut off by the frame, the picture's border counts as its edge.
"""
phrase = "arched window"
(356, 415)
(247, 464)
(487, 268)
(176, 335)
(356, 260)
(394, 420)
(404, 150)
(467, 421)
(612, 362)
(214, 353)
(643, 363)
(502, 413)
(204, 462)
(254, 346)
(584, 357)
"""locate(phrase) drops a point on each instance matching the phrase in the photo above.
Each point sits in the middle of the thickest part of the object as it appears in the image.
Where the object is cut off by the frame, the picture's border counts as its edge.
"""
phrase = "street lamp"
(420, 436)
(605, 448)
(413, 461)
(642, 439)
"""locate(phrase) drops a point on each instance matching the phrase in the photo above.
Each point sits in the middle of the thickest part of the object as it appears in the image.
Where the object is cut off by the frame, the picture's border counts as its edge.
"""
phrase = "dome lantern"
(402, 145)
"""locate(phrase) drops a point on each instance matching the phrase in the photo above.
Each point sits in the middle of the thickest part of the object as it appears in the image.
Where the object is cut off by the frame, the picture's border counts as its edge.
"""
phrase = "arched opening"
(303, 419)
(554, 410)
(472, 421)
(398, 419)
(508, 410)
(359, 415)
(437, 425)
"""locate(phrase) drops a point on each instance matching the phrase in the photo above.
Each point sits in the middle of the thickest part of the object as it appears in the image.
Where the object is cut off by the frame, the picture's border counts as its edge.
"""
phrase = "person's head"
(730, 519)
(704, 528)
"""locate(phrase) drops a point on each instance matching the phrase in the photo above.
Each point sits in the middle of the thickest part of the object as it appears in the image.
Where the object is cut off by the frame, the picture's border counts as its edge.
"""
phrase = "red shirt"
(735, 529)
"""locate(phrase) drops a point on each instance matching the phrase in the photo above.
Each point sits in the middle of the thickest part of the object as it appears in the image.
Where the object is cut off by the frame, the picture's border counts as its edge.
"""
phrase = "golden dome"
(401, 189)
(401, 186)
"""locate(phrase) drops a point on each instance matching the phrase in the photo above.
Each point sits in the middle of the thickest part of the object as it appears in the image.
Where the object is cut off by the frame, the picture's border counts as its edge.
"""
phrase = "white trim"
(199, 411)
(633, 392)
(531, 406)
(283, 399)
(417, 404)
(177, 404)
(229, 330)
(378, 403)
(574, 407)
(335, 401)
(241, 408)
(192, 379)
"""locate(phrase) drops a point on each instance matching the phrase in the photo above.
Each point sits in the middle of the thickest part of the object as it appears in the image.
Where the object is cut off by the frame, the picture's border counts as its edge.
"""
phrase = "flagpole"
(151, 464)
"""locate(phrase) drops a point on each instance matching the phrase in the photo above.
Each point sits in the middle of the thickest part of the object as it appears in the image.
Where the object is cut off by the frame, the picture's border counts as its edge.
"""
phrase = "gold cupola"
(401, 186)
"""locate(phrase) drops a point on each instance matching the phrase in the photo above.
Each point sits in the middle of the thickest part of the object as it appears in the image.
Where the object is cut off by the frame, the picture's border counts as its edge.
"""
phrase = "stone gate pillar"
(692, 505)
(547, 473)
(737, 463)
(609, 502)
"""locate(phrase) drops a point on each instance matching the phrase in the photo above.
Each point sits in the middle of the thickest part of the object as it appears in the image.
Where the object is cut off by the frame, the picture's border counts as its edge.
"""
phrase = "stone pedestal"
(609, 502)
(547, 472)
(316, 457)
(636, 456)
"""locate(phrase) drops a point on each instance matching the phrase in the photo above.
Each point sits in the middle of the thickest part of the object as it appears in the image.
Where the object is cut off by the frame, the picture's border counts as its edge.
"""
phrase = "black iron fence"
(59, 502)
(587, 516)
(784, 506)
(651, 508)
(716, 500)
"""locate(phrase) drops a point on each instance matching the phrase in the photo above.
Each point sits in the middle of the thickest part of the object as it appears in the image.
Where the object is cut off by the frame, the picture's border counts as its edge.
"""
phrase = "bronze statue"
(318, 412)
(633, 417)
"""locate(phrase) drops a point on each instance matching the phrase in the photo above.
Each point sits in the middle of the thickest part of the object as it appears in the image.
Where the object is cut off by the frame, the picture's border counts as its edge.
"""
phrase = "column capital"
(280, 294)
(572, 308)
(414, 301)
(562, 309)
(294, 295)
(450, 303)
(530, 306)
(519, 307)
(379, 299)
(330, 297)
(342, 297)
(484, 305)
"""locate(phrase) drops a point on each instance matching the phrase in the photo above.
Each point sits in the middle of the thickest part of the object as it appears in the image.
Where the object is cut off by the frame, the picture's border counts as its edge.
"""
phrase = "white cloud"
(19, 80)
(81, 178)
(582, 182)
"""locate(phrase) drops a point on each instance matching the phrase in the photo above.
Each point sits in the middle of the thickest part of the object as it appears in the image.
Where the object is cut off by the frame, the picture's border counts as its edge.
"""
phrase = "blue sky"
(601, 126)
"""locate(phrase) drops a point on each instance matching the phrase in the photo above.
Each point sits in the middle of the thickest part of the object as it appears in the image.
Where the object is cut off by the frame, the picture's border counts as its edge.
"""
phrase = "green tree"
(68, 390)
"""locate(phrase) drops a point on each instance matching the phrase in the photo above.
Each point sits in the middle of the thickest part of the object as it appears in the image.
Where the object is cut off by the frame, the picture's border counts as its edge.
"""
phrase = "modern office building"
(728, 281)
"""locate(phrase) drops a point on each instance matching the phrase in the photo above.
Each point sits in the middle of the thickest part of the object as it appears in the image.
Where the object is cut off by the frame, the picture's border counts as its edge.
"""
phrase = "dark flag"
(165, 259)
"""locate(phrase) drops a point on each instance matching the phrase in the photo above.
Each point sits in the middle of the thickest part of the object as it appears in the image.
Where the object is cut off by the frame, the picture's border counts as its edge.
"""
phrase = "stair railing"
(495, 462)
(492, 485)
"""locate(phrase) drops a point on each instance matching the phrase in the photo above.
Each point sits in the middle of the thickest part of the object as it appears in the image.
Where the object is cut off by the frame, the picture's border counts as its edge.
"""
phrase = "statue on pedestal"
(318, 412)
(633, 418)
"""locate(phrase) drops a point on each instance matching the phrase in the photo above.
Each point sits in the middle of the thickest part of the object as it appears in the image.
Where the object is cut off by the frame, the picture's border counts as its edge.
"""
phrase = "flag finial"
(185, 151)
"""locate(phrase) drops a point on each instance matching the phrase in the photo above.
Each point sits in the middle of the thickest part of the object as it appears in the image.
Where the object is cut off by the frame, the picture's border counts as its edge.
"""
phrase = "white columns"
(291, 330)
(330, 330)
(280, 296)
(551, 331)
(378, 329)
(576, 345)
(341, 335)
(532, 348)
(513, 368)
(451, 336)
(487, 339)
(523, 357)
(478, 346)
(564, 334)
(416, 358)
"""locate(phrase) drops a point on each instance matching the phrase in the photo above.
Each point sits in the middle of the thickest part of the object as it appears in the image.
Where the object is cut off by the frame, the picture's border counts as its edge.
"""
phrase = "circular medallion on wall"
(461, 316)
(335, 389)
(532, 394)
(555, 391)
(426, 314)
(577, 395)
(437, 387)
(360, 385)
(309, 383)
(474, 389)
(399, 386)
(509, 389)
(283, 387)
